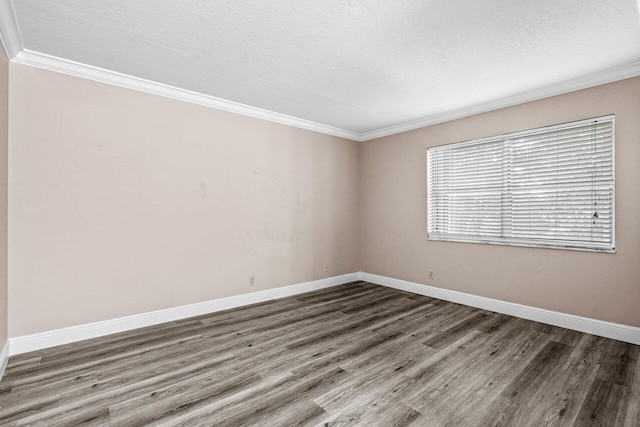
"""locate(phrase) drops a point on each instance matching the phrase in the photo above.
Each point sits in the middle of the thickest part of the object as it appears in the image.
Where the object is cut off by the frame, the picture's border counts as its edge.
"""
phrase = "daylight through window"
(547, 187)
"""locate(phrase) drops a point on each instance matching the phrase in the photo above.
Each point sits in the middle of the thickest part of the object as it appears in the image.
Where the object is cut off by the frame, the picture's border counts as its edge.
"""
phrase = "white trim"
(40, 340)
(584, 82)
(11, 38)
(4, 358)
(10, 35)
(630, 334)
(65, 66)
(37, 341)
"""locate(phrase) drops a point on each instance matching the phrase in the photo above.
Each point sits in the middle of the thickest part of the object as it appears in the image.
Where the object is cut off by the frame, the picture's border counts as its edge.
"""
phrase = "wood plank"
(355, 354)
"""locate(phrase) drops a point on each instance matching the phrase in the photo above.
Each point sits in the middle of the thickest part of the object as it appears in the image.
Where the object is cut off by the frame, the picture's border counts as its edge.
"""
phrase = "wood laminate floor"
(356, 354)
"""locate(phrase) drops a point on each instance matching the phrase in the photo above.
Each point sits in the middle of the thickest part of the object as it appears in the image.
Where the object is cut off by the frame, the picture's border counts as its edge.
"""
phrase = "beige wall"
(4, 142)
(394, 206)
(123, 202)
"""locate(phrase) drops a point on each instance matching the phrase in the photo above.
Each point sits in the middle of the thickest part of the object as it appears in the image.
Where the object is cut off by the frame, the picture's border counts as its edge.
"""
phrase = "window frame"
(519, 242)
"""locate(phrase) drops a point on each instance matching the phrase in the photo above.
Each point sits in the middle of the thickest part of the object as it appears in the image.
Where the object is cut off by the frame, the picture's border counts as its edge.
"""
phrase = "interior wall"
(4, 143)
(123, 202)
(394, 215)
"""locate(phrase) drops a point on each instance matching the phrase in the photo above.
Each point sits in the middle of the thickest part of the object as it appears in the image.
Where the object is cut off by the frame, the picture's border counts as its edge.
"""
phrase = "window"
(546, 187)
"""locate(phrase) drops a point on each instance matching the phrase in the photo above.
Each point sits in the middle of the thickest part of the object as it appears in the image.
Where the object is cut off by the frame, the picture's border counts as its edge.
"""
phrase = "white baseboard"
(26, 343)
(630, 334)
(4, 358)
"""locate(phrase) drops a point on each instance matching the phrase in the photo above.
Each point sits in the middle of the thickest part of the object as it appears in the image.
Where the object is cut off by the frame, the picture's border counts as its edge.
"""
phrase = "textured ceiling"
(356, 65)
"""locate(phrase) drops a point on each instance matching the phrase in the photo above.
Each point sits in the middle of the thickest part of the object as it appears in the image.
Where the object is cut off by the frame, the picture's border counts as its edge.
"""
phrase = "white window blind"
(548, 187)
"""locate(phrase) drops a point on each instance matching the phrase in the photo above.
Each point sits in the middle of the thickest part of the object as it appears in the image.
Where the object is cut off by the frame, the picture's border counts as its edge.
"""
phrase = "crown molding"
(9, 31)
(584, 82)
(11, 39)
(65, 66)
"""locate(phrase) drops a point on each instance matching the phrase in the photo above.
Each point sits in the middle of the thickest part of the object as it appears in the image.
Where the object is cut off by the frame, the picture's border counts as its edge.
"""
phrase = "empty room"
(330, 213)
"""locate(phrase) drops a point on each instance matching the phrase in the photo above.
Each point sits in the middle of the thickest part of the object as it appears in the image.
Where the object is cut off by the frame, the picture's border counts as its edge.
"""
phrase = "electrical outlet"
(252, 281)
(431, 275)
(326, 268)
